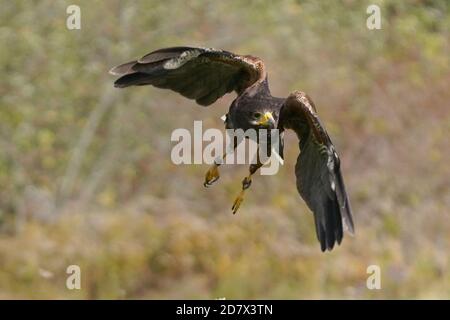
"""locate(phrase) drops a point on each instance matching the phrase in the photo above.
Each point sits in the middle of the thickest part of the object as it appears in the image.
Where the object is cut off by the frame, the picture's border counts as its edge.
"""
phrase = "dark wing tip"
(323, 245)
(349, 227)
(119, 85)
(114, 71)
(132, 79)
(345, 208)
(123, 68)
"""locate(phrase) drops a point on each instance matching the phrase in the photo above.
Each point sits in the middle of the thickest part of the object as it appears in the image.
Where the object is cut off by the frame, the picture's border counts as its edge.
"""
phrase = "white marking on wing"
(177, 62)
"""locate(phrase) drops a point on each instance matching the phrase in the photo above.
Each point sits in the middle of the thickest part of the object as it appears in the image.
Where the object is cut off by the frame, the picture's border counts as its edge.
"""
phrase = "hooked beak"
(266, 119)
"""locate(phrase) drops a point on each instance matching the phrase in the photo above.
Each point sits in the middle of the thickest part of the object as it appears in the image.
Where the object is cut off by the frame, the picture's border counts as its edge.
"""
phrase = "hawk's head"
(262, 119)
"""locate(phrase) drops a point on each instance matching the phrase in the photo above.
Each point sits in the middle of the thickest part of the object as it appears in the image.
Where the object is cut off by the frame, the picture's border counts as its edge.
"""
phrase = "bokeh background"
(86, 176)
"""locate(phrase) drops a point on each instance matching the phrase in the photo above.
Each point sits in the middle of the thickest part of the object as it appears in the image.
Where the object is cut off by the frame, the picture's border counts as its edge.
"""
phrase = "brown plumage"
(205, 75)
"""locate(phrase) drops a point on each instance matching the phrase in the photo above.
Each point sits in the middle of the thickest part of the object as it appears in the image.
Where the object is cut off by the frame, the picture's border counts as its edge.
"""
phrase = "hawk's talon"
(212, 175)
(237, 202)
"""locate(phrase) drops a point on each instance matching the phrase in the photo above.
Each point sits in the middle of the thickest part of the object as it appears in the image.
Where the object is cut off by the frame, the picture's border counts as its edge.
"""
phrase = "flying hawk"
(206, 74)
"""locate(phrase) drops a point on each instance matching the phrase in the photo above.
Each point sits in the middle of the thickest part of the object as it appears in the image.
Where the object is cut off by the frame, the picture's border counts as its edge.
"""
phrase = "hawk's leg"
(246, 183)
(212, 175)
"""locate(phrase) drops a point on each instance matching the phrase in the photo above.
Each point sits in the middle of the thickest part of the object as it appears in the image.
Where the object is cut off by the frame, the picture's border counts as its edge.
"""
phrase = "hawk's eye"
(256, 115)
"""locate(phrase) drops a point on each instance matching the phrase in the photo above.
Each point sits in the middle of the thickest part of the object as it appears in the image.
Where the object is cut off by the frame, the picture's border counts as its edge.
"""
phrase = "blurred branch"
(81, 148)
(106, 102)
(106, 163)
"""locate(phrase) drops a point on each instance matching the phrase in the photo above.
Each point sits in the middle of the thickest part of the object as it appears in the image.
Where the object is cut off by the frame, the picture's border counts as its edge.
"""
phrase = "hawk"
(206, 74)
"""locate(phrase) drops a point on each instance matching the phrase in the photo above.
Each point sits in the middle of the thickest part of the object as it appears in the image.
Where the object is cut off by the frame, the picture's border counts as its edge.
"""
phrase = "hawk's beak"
(266, 119)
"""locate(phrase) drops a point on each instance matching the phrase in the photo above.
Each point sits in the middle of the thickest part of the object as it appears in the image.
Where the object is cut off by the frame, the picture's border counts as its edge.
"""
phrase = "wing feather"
(318, 173)
(202, 74)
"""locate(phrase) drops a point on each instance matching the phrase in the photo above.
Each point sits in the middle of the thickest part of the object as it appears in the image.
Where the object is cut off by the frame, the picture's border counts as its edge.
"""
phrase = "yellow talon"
(212, 175)
(238, 201)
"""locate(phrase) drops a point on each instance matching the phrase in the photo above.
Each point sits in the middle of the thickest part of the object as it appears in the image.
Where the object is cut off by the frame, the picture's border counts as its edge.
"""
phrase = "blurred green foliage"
(86, 176)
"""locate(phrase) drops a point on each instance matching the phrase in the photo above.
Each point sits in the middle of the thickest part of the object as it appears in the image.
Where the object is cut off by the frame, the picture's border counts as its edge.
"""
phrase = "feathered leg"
(246, 183)
(212, 175)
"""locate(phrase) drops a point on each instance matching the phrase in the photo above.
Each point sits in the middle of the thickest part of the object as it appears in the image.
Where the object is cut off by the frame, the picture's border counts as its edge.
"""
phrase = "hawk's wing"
(202, 74)
(319, 178)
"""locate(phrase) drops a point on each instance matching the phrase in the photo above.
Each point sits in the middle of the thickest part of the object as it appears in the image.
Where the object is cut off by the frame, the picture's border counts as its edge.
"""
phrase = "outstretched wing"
(202, 74)
(319, 178)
